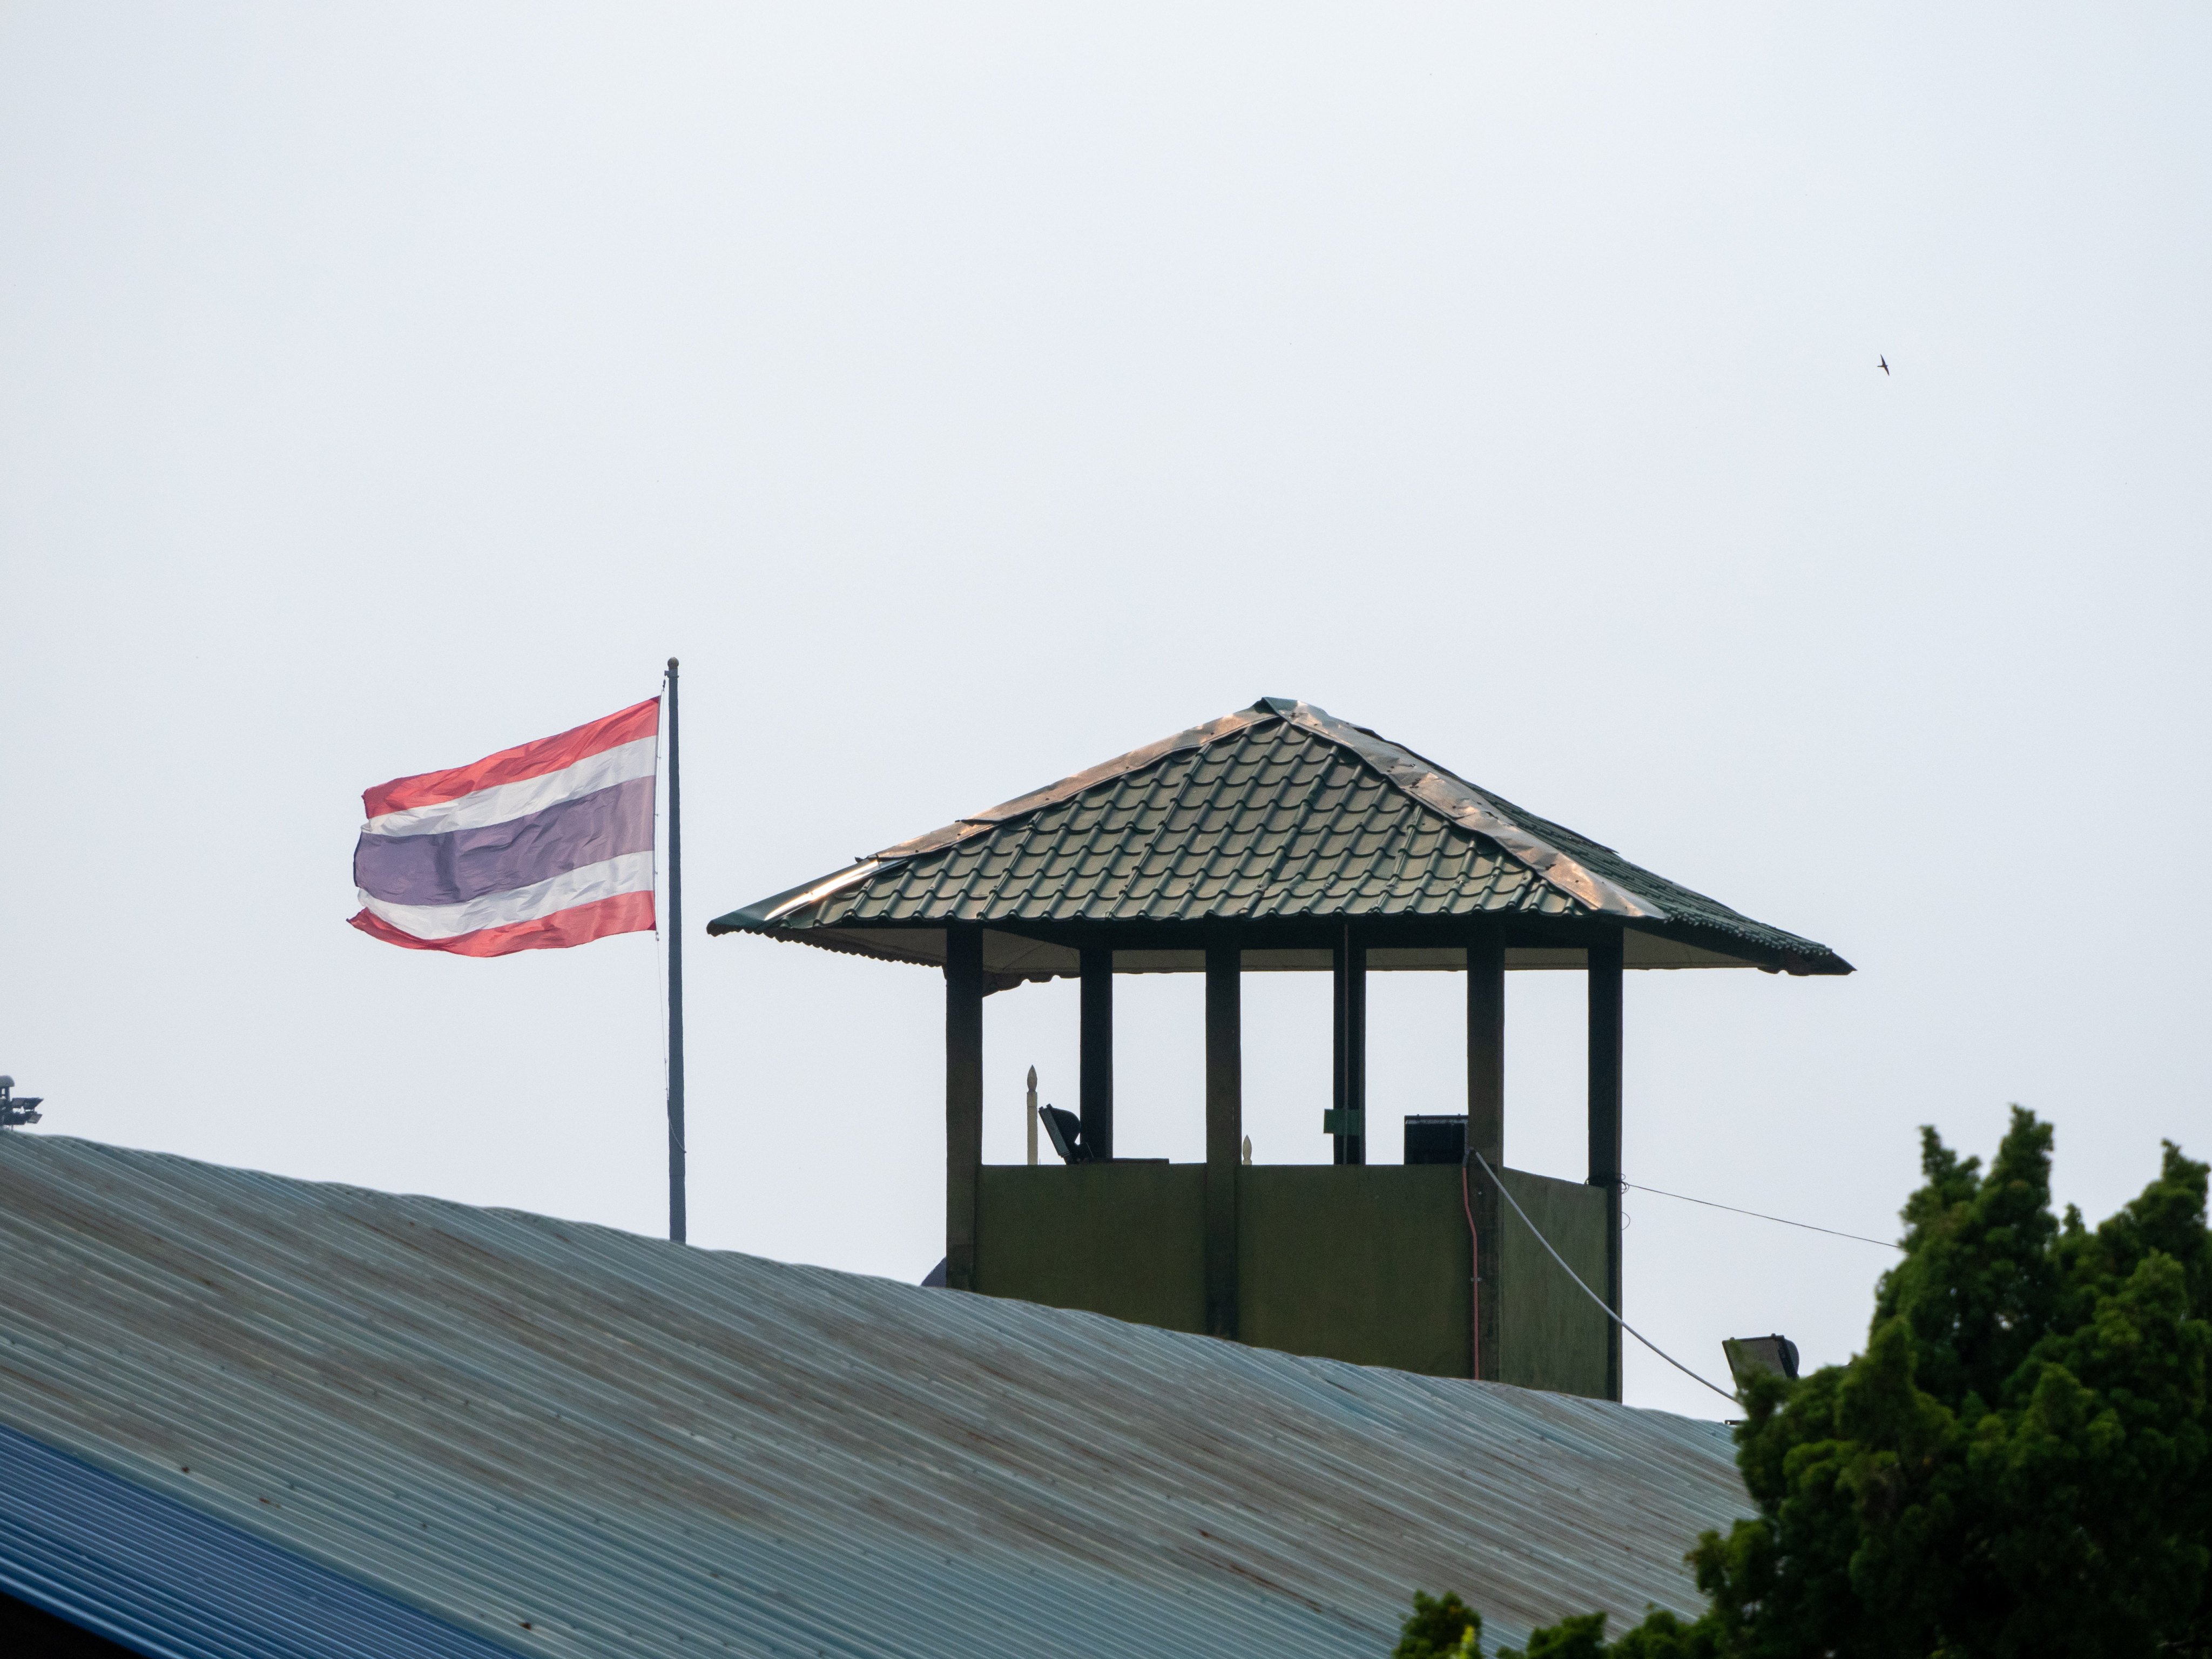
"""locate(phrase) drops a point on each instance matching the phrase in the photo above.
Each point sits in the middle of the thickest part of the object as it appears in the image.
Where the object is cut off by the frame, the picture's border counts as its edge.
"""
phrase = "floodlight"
(1747, 1355)
(1066, 1132)
(16, 1111)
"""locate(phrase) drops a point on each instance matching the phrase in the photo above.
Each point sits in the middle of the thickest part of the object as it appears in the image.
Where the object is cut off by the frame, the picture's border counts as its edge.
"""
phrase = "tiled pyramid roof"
(1277, 815)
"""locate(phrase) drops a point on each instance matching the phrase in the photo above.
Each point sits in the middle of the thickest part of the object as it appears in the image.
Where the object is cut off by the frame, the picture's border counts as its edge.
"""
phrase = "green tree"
(1580, 1638)
(2019, 1463)
(1441, 1628)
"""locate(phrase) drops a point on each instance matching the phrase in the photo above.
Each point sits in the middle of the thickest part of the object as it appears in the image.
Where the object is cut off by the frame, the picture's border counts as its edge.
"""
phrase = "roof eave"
(1800, 958)
(766, 915)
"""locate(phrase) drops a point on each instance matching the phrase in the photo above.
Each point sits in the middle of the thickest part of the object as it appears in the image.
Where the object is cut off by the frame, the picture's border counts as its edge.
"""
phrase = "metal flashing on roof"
(585, 1444)
(1467, 807)
(1067, 789)
(1280, 814)
(822, 889)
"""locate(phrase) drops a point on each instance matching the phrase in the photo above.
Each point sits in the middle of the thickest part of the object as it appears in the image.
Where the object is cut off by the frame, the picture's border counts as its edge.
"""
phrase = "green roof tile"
(1276, 816)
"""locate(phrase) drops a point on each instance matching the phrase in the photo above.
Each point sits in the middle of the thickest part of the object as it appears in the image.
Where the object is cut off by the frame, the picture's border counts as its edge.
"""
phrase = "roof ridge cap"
(1453, 798)
(1262, 713)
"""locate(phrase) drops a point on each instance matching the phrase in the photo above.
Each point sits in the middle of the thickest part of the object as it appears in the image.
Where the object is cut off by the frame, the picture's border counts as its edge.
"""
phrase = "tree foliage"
(1441, 1628)
(2020, 1462)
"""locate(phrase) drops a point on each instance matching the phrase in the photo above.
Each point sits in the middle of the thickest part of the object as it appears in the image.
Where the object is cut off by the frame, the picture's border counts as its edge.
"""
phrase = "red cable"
(1475, 1273)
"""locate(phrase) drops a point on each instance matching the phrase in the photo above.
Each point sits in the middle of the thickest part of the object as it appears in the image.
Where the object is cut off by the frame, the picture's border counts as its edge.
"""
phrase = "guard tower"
(1279, 839)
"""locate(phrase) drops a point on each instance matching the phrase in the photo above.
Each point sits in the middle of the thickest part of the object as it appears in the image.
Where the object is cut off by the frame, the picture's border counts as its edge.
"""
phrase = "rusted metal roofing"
(1278, 814)
(573, 1440)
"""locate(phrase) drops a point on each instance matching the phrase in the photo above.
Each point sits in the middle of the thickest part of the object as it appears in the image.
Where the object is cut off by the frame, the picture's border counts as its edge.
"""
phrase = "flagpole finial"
(672, 662)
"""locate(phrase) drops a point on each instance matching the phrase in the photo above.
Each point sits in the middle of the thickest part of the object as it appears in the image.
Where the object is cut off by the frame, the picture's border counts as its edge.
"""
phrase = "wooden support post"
(1605, 1040)
(1486, 1044)
(1224, 1126)
(1350, 1091)
(1095, 1064)
(964, 1099)
(1486, 1133)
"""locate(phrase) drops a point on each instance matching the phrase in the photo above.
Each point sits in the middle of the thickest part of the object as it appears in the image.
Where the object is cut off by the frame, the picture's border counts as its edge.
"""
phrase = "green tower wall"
(1366, 1263)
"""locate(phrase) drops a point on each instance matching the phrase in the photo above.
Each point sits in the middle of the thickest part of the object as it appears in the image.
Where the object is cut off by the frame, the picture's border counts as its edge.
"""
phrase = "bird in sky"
(1884, 365)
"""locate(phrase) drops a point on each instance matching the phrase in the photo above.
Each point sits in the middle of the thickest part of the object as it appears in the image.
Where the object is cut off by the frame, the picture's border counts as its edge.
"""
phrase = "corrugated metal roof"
(1278, 813)
(155, 1576)
(573, 1440)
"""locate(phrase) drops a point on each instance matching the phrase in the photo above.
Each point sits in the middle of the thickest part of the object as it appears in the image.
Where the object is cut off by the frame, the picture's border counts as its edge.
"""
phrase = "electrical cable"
(1586, 1289)
(1885, 1244)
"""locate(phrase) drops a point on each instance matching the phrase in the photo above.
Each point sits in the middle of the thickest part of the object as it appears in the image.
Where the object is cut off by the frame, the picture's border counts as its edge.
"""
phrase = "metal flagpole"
(675, 974)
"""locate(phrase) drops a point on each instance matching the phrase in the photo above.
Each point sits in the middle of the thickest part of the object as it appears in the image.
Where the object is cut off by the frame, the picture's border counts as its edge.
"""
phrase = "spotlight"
(1750, 1354)
(17, 1109)
(1066, 1132)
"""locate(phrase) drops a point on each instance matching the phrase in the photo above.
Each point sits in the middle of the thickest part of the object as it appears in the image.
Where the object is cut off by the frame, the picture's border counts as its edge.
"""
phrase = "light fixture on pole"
(15, 1110)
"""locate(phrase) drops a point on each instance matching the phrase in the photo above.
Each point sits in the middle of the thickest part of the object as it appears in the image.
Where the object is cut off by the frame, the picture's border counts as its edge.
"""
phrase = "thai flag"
(543, 846)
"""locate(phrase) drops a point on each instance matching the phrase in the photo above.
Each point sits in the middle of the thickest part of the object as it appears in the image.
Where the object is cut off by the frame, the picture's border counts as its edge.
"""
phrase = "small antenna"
(1031, 1115)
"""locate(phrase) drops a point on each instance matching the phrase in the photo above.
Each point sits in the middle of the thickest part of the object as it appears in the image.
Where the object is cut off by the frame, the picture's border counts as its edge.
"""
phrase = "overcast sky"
(968, 394)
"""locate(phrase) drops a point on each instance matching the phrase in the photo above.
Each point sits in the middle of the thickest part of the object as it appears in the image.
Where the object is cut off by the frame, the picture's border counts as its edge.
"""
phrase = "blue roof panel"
(163, 1578)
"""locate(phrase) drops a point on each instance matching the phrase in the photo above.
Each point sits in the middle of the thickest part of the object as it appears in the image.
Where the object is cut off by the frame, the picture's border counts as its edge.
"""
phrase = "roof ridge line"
(777, 906)
(1451, 797)
(1460, 803)
(1195, 737)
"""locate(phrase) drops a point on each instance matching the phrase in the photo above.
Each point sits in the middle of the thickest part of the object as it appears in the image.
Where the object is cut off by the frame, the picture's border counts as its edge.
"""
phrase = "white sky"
(968, 394)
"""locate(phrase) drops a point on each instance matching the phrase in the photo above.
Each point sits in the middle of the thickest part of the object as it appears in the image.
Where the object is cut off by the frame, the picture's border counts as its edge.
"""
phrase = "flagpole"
(675, 974)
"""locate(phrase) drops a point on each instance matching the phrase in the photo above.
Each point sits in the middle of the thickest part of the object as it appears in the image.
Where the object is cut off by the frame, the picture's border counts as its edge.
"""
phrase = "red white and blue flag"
(545, 845)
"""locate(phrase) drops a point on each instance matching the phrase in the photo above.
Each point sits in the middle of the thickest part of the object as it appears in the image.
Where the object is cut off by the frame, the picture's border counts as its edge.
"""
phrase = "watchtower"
(1279, 839)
